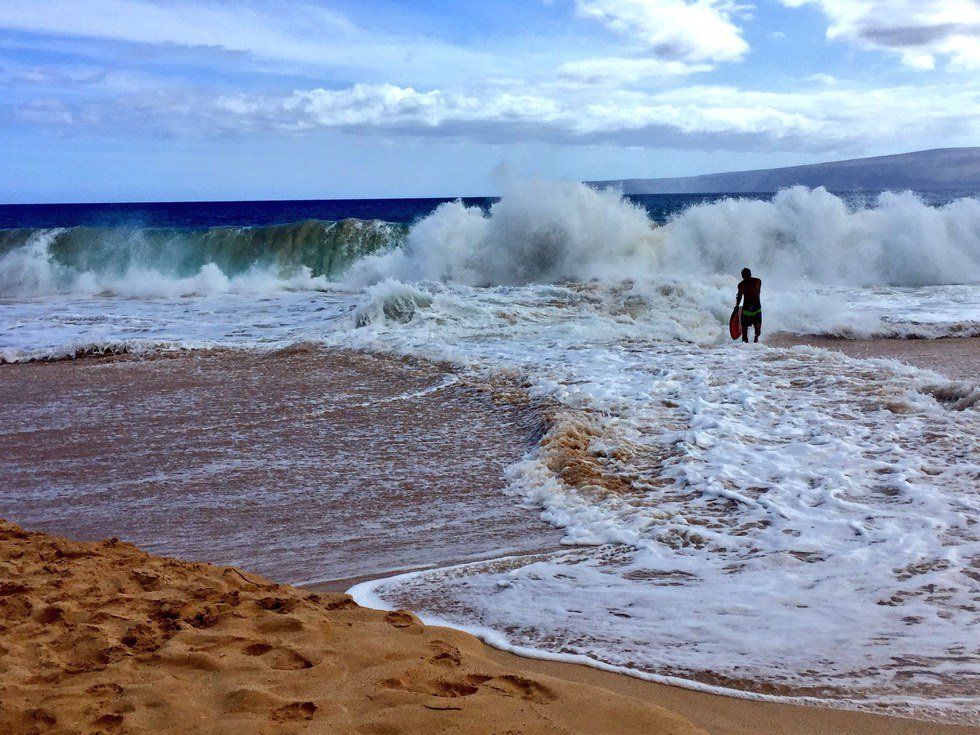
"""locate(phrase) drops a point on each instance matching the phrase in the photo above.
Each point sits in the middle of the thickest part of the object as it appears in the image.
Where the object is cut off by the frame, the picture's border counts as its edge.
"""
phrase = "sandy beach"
(955, 357)
(101, 636)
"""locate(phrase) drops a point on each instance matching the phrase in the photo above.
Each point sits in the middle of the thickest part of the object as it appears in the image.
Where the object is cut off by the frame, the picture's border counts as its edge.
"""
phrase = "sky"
(143, 100)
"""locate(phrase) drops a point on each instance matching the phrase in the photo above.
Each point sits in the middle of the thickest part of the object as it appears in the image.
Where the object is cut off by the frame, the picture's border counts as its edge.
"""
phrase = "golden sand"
(103, 638)
(955, 357)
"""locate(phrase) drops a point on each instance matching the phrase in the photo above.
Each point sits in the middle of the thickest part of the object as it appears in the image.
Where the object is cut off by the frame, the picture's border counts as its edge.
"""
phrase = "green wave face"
(325, 248)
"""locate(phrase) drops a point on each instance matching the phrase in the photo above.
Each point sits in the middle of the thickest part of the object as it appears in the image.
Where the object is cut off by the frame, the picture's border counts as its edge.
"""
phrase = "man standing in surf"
(750, 289)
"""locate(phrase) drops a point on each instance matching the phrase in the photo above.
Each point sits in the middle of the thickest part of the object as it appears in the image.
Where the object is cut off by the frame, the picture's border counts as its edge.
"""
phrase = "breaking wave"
(161, 262)
(538, 232)
(547, 232)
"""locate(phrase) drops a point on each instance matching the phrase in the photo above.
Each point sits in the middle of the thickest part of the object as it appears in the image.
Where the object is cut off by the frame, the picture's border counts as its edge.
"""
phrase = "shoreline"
(101, 636)
(957, 358)
(155, 643)
(722, 714)
(714, 713)
(726, 710)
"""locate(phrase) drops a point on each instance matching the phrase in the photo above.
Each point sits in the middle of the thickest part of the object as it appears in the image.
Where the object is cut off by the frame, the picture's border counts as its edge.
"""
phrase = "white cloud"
(821, 78)
(693, 117)
(919, 31)
(686, 31)
(554, 96)
(619, 70)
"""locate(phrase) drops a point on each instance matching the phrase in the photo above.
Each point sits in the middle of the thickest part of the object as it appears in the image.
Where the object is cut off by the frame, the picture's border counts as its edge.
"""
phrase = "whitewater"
(771, 522)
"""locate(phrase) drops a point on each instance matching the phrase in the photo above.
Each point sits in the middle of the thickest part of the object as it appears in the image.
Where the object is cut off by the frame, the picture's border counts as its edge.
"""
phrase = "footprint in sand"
(334, 602)
(260, 701)
(49, 614)
(294, 711)
(91, 650)
(445, 654)
(207, 617)
(257, 649)
(14, 603)
(145, 638)
(522, 688)
(281, 659)
(277, 604)
(105, 689)
(110, 722)
(445, 688)
(404, 619)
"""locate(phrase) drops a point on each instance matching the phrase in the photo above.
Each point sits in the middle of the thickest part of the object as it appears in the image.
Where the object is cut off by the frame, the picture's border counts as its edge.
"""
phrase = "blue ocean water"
(278, 212)
(264, 213)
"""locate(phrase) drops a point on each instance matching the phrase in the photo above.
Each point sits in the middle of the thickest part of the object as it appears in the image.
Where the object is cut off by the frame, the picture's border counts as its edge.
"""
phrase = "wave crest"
(814, 235)
(547, 232)
(539, 232)
(160, 262)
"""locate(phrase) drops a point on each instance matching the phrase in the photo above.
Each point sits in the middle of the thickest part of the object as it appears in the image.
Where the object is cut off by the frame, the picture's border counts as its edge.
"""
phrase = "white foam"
(370, 594)
(32, 272)
(547, 232)
(540, 232)
(818, 254)
(809, 497)
(805, 235)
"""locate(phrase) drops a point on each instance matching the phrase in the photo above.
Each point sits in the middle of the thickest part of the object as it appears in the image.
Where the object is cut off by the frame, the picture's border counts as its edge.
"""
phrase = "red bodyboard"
(735, 324)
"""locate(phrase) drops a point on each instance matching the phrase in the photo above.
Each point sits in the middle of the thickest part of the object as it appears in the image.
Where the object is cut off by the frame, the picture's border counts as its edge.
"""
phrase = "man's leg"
(758, 328)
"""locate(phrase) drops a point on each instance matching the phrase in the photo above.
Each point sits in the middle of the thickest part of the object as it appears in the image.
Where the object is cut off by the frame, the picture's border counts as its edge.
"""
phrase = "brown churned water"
(302, 465)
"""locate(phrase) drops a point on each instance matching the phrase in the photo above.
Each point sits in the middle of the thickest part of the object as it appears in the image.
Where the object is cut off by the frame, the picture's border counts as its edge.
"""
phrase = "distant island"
(941, 169)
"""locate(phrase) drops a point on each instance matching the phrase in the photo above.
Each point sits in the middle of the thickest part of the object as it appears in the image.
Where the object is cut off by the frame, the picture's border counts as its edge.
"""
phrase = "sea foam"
(546, 232)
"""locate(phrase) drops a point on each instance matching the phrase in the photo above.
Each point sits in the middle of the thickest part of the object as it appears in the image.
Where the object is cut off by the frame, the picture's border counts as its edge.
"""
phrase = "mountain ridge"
(937, 169)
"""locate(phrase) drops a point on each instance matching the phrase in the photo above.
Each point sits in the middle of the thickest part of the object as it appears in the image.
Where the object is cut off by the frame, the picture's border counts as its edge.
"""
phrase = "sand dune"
(104, 638)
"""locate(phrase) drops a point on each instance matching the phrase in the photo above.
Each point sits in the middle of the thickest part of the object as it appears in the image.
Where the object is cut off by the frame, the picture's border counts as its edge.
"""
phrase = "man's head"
(746, 273)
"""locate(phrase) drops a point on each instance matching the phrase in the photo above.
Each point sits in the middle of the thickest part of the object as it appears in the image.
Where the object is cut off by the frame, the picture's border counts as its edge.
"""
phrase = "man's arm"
(738, 296)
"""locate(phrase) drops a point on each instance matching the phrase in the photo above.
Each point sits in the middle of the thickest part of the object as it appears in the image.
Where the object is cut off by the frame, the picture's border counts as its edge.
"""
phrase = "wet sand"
(722, 715)
(955, 357)
(301, 465)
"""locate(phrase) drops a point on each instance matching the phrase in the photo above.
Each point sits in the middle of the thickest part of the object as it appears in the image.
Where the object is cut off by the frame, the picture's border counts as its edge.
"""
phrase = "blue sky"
(125, 100)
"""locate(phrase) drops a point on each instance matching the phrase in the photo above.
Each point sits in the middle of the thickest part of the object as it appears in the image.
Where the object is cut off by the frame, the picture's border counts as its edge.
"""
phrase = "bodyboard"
(735, 324)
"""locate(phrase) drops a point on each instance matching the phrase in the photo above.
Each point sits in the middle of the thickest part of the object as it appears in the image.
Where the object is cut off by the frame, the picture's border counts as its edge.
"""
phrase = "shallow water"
(302, 465)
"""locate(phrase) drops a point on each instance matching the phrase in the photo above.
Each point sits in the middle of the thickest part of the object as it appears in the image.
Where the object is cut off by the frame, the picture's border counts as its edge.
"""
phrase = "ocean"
(769, 521)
